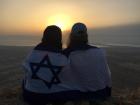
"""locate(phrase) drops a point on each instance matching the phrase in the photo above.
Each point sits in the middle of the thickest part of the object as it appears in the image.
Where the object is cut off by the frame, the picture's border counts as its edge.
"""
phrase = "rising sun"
(61, 20)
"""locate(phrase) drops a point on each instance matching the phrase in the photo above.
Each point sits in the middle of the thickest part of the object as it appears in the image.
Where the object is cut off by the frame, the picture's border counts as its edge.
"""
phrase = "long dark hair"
(77, 40)
(52, 37)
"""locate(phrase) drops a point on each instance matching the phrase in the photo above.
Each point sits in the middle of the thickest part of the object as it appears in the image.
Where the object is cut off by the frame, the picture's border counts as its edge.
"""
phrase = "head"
(52, 37)
(78, 35)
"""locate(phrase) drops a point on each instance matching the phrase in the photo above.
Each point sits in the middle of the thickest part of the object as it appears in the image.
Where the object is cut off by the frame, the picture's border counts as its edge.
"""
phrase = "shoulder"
(68, 51)
(41, 50)
(38, 55)
(42, 47)
(92, 47)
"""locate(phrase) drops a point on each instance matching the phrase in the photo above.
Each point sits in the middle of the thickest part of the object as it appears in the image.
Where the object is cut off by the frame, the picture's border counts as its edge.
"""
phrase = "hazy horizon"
(126, 35)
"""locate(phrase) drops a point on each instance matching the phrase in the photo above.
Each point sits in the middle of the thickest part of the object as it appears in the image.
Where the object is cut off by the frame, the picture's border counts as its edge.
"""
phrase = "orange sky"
(32, 16)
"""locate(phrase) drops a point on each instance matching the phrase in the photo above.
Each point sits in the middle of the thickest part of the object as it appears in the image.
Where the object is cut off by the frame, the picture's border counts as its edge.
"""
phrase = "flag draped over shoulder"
(88, 70)
(43, 70)
(83, 74)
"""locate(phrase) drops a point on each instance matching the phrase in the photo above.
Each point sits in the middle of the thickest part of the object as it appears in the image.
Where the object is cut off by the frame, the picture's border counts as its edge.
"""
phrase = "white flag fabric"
(42, 71)
(88, 70)
(83, 71)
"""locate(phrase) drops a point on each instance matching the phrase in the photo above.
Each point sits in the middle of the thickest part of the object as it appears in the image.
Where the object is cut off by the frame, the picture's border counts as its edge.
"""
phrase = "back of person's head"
(52, 36)
(78, 35)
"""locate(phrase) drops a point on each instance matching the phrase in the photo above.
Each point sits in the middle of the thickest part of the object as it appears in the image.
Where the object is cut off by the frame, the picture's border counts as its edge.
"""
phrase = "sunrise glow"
(61, 20)
(30, 17)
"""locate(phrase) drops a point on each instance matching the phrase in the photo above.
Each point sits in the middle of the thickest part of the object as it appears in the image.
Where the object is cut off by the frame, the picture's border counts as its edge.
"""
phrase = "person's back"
(89, 65)
(88, 71)
(43, 66)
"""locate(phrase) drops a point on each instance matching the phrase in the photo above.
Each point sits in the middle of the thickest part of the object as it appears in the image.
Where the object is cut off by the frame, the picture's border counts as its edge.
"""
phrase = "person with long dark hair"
(42, 84)
(88, 70)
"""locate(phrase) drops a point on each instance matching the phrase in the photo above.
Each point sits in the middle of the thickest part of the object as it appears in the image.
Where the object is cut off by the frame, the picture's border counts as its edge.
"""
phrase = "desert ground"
(124, 63)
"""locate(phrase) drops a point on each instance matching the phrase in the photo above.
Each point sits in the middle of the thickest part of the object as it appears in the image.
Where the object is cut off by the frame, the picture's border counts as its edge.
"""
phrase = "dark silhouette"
(43, 67)
(52, 77)
(88, 67)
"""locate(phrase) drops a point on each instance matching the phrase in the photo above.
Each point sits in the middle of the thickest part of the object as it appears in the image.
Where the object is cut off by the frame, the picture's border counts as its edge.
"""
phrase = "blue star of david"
(35, 67)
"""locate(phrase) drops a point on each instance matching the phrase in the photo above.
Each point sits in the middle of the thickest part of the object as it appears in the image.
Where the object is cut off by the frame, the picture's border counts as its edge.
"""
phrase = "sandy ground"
(124, 63)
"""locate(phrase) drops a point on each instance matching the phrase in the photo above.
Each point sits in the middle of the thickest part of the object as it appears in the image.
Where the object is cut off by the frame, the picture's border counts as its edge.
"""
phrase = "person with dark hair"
(88, 70)
(42, 84)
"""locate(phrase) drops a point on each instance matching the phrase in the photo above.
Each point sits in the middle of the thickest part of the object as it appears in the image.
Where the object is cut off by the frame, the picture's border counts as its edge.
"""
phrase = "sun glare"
(61, 20)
